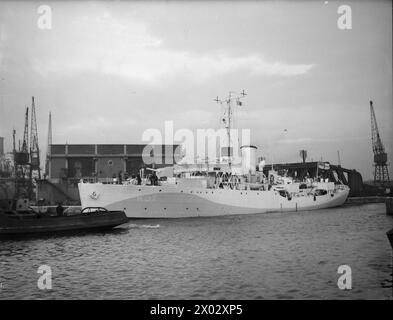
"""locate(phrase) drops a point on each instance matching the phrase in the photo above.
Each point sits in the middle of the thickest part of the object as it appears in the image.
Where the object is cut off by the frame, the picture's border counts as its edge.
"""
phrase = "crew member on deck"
(59, 210)
(138, 179)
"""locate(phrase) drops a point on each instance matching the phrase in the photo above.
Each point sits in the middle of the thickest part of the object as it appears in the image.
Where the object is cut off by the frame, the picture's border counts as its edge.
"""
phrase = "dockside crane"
(381, 174)
(27, 157)
(25, 143)
(34, 147)
(23, 186)
(21, 156)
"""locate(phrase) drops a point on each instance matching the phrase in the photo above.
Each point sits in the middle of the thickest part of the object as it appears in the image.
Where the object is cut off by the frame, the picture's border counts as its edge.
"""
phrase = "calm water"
(278, 256)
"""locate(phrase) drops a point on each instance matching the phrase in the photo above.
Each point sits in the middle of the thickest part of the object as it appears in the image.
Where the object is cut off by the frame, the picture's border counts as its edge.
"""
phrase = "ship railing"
(225, 180)
(82, 179)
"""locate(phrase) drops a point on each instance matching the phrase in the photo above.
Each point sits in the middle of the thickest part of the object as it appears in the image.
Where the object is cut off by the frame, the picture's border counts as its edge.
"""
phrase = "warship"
(222, 188)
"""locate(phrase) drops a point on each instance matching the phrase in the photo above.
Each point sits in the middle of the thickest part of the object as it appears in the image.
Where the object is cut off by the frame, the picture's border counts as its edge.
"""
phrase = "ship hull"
(31, 223)
(172, 202)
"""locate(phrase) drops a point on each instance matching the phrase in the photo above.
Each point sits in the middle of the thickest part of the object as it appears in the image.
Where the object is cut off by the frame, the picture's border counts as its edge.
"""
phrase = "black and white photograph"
(179, 151)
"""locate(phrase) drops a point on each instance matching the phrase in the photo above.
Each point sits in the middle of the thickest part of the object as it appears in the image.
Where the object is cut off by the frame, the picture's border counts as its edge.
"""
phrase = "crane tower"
(34, 148)
(381, 174)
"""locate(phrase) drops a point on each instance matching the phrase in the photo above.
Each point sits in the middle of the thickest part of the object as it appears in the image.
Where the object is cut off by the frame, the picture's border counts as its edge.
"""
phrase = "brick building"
(75, 161)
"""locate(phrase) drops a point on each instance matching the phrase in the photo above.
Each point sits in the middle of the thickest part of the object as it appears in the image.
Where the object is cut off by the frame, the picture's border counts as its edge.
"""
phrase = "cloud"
(126, 48)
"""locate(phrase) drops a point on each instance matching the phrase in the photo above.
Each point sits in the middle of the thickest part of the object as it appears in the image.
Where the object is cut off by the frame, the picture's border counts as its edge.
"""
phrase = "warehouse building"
(103, 161)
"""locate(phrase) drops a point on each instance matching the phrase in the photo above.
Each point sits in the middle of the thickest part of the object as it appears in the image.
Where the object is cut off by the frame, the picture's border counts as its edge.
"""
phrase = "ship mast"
(228, 120)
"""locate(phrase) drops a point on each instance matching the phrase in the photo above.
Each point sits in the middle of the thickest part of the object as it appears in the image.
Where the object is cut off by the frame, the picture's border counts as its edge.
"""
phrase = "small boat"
(91, 218)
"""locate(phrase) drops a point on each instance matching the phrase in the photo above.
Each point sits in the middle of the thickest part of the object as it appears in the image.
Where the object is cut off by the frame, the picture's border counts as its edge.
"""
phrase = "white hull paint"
(170, 201)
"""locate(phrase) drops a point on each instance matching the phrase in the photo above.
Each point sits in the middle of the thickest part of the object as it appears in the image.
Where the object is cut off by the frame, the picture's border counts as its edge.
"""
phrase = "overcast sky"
(110, 70)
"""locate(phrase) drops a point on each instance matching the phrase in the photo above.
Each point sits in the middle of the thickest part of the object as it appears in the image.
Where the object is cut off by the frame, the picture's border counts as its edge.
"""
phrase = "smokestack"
(249, 159)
